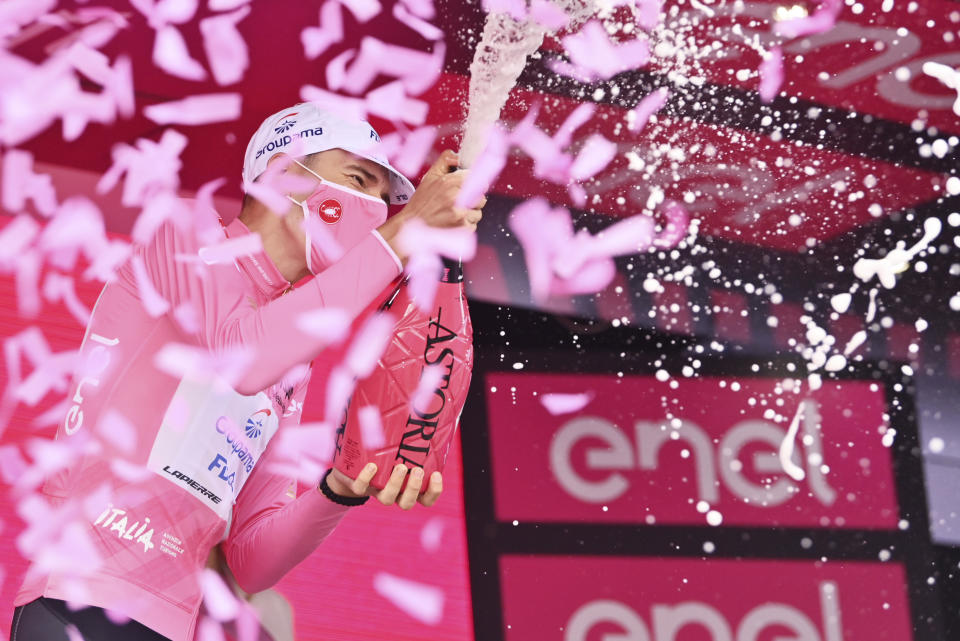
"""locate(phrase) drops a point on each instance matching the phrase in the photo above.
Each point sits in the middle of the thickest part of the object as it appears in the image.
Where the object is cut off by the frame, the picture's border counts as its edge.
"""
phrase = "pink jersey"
(156, 534)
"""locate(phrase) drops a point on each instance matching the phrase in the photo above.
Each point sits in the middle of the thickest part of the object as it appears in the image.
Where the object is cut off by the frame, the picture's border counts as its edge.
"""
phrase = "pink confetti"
(540, 230)
(596, 154)
(822, 20)
(565, 403)
(340, 386)
(18, 14)
(130, 472)
(595, 275)
(336, 71)
(314, 440)
(369, 344)
(149, 167)
(200, 109)
(178, 414)
(16, 238)
(421, 26)
(162, 12)
(456, 243)
(362, 10)
(196, 363)
(771, 75)
(59, 287)
(218, 599)
(12, 464)
(316, 40)
(225, 48)
(391, 102)
(154, 304)
(73, 634)
(421, 601)
(329, 324)
(678, 223)
(117, 81)
(548, 15)
(114, 428)
(371, 427)
(639, 116)
(210, 630)
(77, 225)
(424, 270)
(225, 5)
(28, 280)
(418, 70)
(344, 106)
(485, 170)
(229, 250)
(273, 185)
(420, 8)
(20, 184)
(430, 379)
(431, 534)
(592, 50)
(650, 11)
(412, 149)
(170, 54)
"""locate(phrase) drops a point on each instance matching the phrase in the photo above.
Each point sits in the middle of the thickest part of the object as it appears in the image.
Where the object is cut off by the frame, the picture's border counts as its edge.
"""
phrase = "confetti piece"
(228, 250)
(430, 381)
(340, 386)
(154, 304)
(316, 40)
(592, 51)
(771, 74)
(649, 13)
(12, 464)
(431, 534)
(420, 8)
(418, 70)
(59, 287)
(148, 167)
(565, 403)
(371, 427)
(639, 116)
(362, 10)
(516, 9)
(130, 472)
(391, 102)
(16, 238)
(424, 270)
(170, 54)
(73, 634)
(316, 441)
(369, 344)
(676, 227)
(596, 154)
(548, 15)
(421, 601)
(416, 237)
(210, 630)
(200, 109)
(421, 26)
(20, 184)
(114, 428)
(196, 363)
(411, 149)
(218, 599)
(225, 5)
(225, 48)
(329, 324)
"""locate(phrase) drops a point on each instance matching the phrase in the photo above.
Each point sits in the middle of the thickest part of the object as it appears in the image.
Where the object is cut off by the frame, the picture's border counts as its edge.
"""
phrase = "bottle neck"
(452, 271)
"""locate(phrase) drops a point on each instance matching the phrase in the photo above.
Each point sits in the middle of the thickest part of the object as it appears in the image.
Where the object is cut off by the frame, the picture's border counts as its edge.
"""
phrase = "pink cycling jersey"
(156, 533)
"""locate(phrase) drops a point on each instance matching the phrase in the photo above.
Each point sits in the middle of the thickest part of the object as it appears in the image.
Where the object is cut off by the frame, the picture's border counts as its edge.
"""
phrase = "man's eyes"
(358, 178)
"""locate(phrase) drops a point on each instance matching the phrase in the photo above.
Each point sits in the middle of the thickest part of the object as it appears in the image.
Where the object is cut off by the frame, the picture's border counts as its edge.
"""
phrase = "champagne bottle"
(415, 436)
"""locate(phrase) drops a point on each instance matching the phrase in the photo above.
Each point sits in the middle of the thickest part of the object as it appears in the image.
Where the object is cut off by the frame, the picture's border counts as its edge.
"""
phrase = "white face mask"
(335, 219)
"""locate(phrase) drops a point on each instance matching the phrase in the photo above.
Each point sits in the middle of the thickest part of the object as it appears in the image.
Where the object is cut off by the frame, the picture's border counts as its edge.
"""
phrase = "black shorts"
(47, 620)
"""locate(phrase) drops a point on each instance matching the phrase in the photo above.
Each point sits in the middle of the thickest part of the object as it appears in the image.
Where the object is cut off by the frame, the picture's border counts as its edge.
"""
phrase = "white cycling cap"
(319, 129)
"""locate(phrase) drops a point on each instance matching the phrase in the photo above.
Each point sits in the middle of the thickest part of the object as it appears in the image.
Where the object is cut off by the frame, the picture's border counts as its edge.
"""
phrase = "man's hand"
(434, 202)
(343, 485)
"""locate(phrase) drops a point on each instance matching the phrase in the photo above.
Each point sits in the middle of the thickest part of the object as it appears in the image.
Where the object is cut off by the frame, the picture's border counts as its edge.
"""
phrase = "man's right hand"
(434, 202)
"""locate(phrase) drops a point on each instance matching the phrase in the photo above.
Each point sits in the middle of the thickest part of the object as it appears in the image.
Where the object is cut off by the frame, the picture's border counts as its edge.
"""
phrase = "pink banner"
(597, 598)
(690, 451)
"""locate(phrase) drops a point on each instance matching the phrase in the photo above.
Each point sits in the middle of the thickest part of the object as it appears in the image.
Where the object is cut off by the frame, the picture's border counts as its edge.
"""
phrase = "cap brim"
(401, 189)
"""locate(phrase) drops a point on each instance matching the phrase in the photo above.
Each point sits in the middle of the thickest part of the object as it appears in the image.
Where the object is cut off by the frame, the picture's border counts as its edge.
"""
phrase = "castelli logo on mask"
(330, 211)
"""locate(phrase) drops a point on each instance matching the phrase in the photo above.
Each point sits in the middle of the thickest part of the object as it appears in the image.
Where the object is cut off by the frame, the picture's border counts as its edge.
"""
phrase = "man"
(203, 443)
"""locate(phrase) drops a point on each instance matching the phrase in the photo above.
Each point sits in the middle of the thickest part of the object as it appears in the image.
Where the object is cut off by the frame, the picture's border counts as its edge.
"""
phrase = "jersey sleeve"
(272, 530)
(270, 330)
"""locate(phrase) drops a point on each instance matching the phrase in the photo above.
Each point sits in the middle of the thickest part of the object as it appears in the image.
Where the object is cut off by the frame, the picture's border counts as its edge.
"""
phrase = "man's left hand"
(343, 485)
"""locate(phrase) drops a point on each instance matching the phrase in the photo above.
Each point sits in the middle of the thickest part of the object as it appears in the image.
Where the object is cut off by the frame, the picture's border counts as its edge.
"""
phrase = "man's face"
(351, 171)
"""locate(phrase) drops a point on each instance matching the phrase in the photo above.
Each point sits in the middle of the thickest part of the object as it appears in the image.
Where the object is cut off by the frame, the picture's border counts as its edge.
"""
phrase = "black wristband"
(349, 501)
